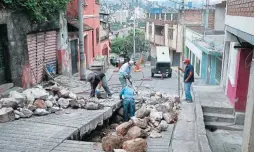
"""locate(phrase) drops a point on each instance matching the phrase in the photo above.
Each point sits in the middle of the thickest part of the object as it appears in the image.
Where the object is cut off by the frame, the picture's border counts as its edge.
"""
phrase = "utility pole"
(81, 41)
(206, 16)
(134, 30)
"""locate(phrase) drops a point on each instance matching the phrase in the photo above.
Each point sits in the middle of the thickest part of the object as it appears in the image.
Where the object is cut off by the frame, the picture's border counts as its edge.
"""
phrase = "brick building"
(237, 75)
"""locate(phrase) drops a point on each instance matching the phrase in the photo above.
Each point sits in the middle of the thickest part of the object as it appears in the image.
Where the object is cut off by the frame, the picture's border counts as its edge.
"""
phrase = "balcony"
(159, 40)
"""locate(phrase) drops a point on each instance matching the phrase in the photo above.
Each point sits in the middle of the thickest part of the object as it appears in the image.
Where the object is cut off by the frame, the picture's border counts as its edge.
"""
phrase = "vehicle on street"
(161, 64)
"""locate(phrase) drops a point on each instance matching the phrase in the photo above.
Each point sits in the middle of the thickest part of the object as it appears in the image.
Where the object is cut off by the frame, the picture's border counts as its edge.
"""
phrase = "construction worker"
(124, 73)
(188, 78)
(96, 81)
(128, 102)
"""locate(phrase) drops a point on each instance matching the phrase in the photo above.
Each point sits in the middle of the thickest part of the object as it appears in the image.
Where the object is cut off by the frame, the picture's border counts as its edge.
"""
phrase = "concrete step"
(216, 117)
(224, 126)
(219, 110)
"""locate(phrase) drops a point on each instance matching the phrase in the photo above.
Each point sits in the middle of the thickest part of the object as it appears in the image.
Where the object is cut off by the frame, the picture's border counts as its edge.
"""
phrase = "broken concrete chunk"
(142, 112)
(112, 142)
(40, 112)
(135, 145)
(40, 93)
(92, 106)
(6, 115)
(19, 113)
(64, 93)
(170, 117)
(72, 95)
(157, 116)
(39, 103)
(74, 104)
(123, 128)
(31, 107)
(49, 104)
(53, 109)
(142, 123)
(136, 132)
(29, 96)
(9, 102)
(155, 134)
(17, 116)
(64, 103)
(163, 126)
(27, 113)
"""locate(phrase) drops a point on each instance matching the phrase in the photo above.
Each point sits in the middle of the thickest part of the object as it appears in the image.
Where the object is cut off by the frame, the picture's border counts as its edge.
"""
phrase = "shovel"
(133, 86)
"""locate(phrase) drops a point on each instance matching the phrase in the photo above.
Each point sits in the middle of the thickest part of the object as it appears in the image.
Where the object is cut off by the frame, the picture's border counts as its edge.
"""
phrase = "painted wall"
(238, 94)
(91, 18)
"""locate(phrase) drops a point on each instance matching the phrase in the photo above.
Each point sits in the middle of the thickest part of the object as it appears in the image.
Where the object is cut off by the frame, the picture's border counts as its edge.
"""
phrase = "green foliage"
(125, 45)
(38, 10)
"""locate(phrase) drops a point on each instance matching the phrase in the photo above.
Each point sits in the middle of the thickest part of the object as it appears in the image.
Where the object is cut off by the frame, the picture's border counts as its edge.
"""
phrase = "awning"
(73, 25)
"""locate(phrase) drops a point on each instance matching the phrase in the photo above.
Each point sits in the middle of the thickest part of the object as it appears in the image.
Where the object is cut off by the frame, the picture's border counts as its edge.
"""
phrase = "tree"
(125, 45)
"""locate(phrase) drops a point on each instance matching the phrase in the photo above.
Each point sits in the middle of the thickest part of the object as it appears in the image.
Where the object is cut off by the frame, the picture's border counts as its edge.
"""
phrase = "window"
(197, 66)
(157, 16)
(170, 34)
(162, 16)
(232, 63)
(168, 16)
(97, 1)
(186, 55)
(97, 35)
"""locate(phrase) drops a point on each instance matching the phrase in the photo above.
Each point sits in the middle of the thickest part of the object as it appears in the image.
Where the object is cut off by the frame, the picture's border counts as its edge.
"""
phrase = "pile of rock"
(155, 112)
(41, 101)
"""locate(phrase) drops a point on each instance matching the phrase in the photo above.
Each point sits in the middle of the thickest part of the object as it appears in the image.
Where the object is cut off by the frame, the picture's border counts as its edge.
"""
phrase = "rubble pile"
(154, 112)
(41, 101)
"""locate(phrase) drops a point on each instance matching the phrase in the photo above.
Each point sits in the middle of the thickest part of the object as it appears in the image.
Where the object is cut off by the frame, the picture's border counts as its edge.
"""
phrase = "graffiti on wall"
(64, 62)
(26, 76)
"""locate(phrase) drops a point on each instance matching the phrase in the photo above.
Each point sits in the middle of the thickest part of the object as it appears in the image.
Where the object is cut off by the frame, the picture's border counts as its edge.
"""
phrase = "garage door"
(42, 49)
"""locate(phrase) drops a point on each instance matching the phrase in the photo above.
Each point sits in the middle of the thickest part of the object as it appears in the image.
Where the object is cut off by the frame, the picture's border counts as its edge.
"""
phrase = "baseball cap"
(131, 62)
(186, 61)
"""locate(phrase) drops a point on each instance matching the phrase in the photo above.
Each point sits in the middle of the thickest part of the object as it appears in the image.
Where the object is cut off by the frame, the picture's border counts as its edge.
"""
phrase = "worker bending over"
(124, 73)
(96, 81)
(128, 102)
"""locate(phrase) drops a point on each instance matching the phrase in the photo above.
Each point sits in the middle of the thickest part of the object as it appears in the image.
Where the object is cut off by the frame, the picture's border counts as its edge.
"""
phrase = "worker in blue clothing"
(128, 102)
(124, 73)
(188, 78)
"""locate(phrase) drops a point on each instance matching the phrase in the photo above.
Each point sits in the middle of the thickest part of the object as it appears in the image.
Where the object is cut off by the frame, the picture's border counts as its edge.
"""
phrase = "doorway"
(4, 56)
(74, 53)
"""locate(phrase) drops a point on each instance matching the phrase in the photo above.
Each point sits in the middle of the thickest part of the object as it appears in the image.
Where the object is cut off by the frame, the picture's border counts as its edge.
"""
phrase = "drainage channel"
(90, 140)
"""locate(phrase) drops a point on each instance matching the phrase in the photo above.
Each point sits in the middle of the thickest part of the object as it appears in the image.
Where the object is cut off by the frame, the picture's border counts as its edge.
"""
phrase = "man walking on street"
(188, 78)
(96, 81)
(128, 102)
(124, 73)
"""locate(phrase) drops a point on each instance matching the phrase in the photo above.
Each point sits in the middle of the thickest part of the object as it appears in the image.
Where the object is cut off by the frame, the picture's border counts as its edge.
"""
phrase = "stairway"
(220, 118)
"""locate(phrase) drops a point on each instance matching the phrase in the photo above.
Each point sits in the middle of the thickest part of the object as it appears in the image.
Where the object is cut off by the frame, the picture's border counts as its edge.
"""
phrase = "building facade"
(238, 52)
(204, 44)
(162, 29)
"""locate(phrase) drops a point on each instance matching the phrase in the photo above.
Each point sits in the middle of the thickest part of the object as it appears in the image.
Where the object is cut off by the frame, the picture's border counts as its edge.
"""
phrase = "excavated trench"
(101, 131)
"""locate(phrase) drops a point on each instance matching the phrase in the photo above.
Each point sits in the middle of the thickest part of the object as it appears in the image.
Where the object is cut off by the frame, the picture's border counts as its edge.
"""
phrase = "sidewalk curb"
(202, 139)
